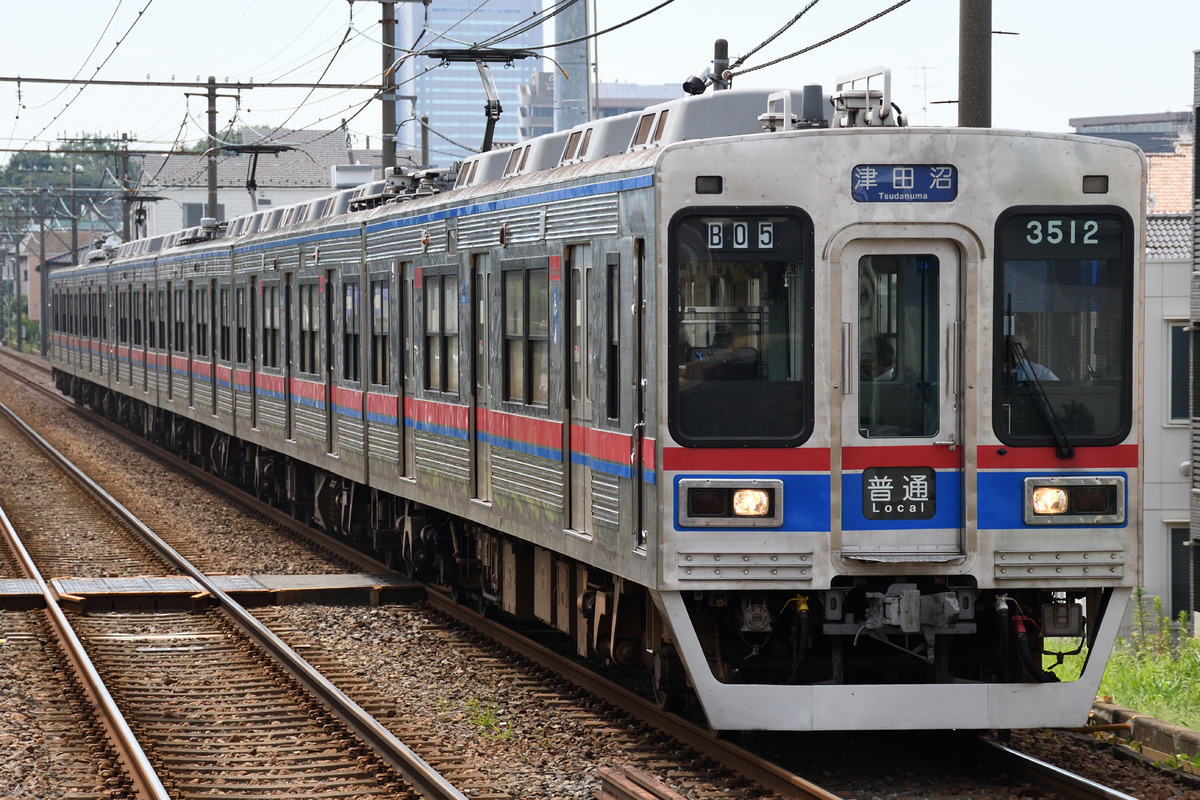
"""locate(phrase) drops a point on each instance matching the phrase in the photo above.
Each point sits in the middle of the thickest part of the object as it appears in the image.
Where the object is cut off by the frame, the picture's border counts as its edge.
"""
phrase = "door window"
(898, 345)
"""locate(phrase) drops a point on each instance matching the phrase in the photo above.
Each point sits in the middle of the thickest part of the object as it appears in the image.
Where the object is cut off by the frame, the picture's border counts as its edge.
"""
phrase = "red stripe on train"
(1122, 456)
(718, 459)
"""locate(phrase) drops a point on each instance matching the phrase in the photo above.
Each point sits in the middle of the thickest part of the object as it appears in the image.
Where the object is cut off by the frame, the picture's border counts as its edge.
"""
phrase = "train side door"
(212, 327)
(902, 448)
(578, 431)
(187, 313)
(481, 367)
(642, 448)
(255, 358)
(327, 361)
(289, 418)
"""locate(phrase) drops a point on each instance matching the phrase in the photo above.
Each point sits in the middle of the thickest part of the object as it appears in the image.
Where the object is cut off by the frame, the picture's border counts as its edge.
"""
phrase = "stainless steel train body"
(834, 427)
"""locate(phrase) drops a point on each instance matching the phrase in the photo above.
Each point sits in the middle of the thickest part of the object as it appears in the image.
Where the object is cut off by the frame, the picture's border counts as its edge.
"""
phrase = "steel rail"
(1056, 779)
(736, 758)
(419, 774)
(137, 765)
(335, 546)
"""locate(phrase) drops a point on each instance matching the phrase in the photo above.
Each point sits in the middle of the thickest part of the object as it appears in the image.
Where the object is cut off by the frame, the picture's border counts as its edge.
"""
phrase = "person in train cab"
(1024, 366)
(878, 360)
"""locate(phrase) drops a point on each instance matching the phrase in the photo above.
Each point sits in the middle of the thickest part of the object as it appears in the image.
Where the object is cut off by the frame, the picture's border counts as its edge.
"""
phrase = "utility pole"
(975, 63)
(389, 85)
(425, 141)
(74, 222)
(390, 89)
(125, 200)
(212, 148)
(44, 270)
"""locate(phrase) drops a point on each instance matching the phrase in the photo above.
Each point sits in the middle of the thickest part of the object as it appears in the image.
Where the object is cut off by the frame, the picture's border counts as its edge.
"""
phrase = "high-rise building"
(453, 96)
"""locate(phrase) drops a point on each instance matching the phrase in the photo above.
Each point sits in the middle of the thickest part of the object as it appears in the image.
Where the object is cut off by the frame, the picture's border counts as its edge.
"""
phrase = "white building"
(1168, 571)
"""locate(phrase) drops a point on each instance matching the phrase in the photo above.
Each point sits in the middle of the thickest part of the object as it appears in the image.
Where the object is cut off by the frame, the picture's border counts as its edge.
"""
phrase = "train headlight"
(1049, 500)
(751, 503)
(729, 503)
(1075, 500)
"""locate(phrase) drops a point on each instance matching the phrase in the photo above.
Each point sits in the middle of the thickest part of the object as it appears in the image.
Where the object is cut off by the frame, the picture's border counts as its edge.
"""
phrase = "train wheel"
(670, 688)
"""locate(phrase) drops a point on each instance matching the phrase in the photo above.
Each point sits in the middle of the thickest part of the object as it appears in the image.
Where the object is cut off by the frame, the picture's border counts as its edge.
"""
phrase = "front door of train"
(902, 453)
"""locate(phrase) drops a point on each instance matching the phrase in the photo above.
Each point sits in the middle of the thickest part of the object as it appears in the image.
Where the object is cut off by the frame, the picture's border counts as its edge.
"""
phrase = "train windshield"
(741, 321)
(1063, 365)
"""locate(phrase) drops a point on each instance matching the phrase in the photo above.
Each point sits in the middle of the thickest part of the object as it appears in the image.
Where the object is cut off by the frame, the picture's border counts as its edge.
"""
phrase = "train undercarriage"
(859, 631)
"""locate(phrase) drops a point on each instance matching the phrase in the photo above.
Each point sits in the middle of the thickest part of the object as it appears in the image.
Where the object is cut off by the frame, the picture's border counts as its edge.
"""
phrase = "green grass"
(1156, 671)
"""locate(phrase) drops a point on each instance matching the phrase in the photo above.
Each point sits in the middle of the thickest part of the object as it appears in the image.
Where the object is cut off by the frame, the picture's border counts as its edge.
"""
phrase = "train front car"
(902, 438)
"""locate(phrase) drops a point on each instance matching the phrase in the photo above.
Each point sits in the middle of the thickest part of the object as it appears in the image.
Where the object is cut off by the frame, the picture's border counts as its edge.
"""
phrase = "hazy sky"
(1067, 59)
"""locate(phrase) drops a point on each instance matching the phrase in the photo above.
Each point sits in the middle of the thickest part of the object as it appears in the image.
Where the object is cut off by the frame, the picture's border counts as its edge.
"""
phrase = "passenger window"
(526, 332)
(310, 328)
(441, 332)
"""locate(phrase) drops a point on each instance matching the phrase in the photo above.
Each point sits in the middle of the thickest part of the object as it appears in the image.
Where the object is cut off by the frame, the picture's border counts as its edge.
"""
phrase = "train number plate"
(899, 493)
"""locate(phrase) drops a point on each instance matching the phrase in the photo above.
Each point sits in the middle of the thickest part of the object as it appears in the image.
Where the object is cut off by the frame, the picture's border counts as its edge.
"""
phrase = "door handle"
(634, 441)
(847, 358)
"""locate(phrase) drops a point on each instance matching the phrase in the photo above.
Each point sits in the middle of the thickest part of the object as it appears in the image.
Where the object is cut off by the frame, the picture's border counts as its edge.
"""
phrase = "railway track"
(726, 770)
(302, 736)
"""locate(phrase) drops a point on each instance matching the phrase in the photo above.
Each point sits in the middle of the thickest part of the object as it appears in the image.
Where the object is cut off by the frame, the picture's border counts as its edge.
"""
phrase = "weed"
(1155, 672)
(484, 717)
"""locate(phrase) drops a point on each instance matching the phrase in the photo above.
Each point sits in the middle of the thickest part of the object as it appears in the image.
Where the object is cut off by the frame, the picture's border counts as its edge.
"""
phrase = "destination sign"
(904, 183)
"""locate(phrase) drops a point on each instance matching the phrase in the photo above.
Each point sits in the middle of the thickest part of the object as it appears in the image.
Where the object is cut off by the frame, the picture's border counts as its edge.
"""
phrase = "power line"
(836, 36)
(607, 30)
(96, 72)
(95, 47)
(191, 84)
(775, 35)
(533, 22)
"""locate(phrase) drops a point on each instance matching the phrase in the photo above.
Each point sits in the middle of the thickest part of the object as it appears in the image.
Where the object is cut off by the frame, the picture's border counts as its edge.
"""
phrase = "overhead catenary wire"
(774, 36)
(95, 47)
(607, 30)
(821, 43)
(107, 58)
(529, 24)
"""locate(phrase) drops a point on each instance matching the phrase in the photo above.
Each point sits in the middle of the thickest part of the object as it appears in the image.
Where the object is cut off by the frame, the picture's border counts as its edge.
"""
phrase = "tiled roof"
(304, 167)
(1170, 180)
(1169, 236)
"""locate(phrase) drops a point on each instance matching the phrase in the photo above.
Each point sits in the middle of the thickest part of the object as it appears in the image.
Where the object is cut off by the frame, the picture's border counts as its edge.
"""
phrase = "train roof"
(636, 135)
(725, 113)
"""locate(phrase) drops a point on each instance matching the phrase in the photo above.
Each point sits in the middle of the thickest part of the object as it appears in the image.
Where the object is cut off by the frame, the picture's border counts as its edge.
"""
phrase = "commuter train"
(827, 421)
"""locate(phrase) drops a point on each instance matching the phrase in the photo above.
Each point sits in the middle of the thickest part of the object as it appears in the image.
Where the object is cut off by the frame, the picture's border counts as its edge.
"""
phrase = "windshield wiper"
(1021, 366)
